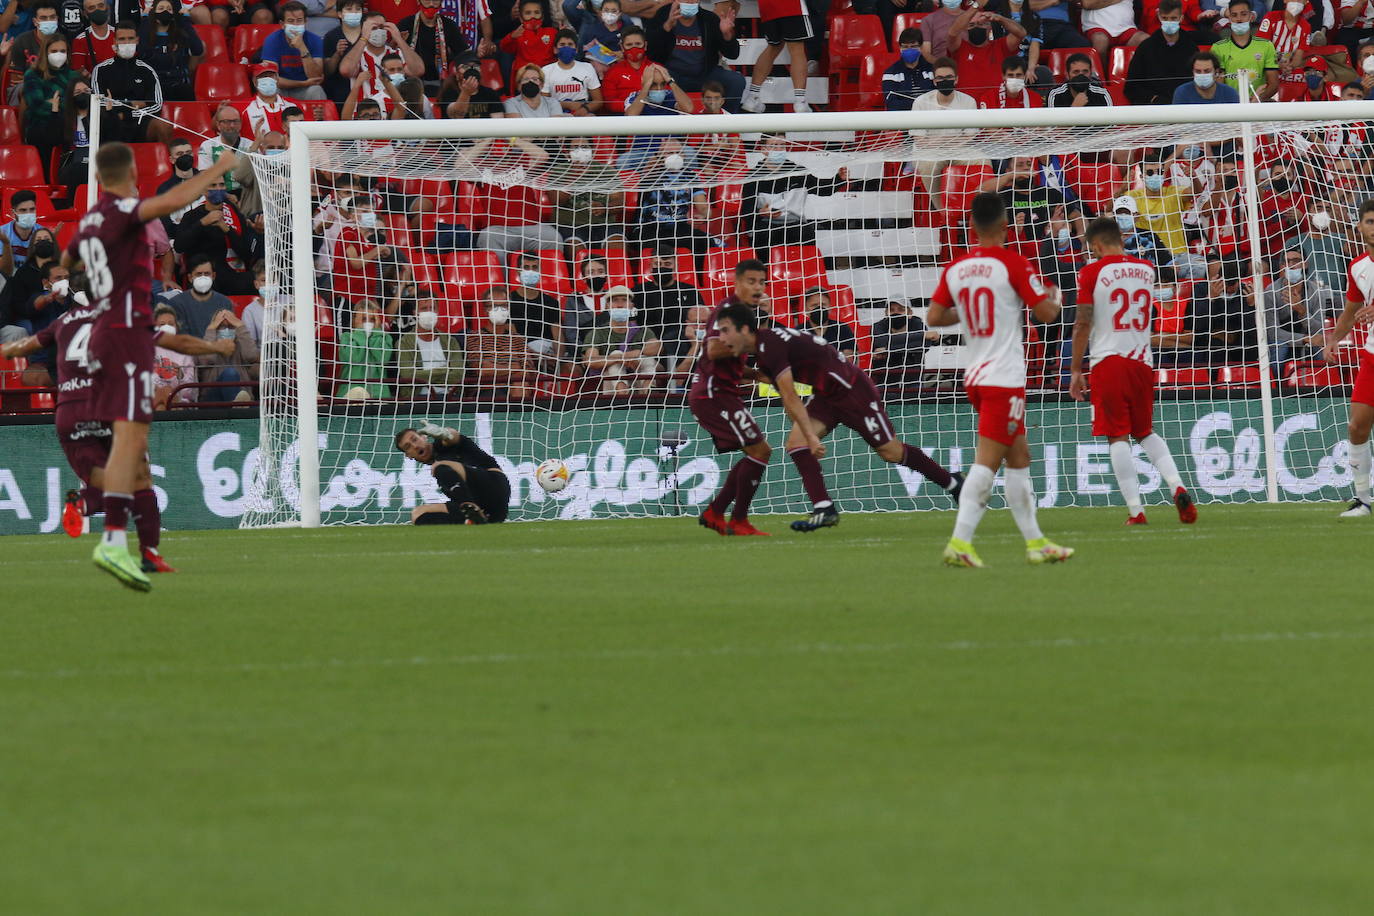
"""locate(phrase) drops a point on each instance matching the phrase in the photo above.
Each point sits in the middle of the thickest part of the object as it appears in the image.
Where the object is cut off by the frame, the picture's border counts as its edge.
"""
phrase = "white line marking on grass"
(509, 658)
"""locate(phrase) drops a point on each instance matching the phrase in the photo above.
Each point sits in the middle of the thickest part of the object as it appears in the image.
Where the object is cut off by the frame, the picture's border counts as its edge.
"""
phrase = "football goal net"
(543, 285)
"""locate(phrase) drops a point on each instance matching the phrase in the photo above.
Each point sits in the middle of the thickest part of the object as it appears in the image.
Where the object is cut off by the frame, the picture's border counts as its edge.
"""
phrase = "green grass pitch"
(645, 718)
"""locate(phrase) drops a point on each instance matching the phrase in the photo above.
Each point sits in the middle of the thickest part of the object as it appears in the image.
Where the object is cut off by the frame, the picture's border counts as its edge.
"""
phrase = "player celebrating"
(988, 289)
(717, 401)
(478, 490)
(111, 246)
(1115, 296)
(1359, 307)
(844, 394)
(86, 442)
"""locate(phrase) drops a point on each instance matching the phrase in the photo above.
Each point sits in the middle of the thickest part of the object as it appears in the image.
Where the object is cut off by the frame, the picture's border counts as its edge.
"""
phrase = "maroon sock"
(749, 475)
(727, 492)
(117, 511)
(923, 464)
(94, 500)
(147, 519)
(812, 479)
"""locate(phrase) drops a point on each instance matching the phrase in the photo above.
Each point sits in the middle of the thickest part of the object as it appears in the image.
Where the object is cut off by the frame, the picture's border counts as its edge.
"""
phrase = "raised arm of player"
(189, 345)
(21, 347)
(1082, 330)
(188, 192)
(792, 403)
(444, 435)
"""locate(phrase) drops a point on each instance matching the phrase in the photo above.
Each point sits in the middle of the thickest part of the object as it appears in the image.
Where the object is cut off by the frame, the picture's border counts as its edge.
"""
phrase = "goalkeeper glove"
(426, 428)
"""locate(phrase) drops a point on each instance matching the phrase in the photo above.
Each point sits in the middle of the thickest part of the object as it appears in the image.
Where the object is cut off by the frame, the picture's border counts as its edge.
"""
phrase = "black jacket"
(1157, 69)
(195, 238)
(713, 44)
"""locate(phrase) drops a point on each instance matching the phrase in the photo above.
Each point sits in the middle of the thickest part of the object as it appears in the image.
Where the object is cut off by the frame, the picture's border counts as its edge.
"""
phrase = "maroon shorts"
(1001, 412)
(1363, 392)
(1123, 397)
(85, 442)
(123, 381)
(859, 406)
(728, 421)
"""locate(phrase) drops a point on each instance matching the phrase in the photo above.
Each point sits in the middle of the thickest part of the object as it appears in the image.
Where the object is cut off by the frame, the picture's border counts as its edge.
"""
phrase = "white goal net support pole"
(335, 386)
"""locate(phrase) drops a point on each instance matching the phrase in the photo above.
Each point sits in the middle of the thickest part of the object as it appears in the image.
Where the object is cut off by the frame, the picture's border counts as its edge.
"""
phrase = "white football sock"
(973, 501)
(1021, 501)
(1359, 467)
(753, 89)
(1126, 477)
(1158, 451)
(116, 538)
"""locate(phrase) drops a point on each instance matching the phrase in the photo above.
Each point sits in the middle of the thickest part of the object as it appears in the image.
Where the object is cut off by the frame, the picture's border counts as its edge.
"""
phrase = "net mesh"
(420, 244)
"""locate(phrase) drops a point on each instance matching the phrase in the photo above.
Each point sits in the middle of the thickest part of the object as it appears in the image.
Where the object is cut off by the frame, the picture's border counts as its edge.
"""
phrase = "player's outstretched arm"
(1082, 329)
(1048, 309)
(445, 435)
(796, 410)
(189, 345)
(1344, 325)
(22, 347)
(189, 191)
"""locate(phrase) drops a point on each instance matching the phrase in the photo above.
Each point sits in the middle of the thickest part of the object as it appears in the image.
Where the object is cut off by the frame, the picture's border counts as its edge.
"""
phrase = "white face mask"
(377, 38)
(1015, 84)
(1368, 65)
(368, 326)
(126, 51)
(673, 162)
(60, 287)
(1295, 9)
(167, 328)
(202, 284)
(611, 19)
(427, 321)
(367, 219)
(499, 315)
(580, 154)
(1321, 221)
(397, 78)
(1164, 293)
(57, 58)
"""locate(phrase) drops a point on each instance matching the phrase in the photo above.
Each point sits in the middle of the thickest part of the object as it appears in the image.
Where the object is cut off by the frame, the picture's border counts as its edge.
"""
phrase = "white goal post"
(291, 426)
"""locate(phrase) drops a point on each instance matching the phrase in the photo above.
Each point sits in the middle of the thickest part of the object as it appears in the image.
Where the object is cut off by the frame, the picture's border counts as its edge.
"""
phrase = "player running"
(111, 247)
(1115, 297)
(988, 289)
(717, 401)
(844, 395)
(86, 442)
(1359, 307)
(478, 490)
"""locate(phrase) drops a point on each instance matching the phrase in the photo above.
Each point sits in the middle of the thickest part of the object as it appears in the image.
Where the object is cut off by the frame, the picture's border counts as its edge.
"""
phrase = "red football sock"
(727, 492)
(924, 465)
(148, 519)
(749, 474)
(812, 478)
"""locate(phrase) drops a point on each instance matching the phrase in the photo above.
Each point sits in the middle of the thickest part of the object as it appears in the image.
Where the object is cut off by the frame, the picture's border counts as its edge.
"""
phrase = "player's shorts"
(490, 490)
(1363, 392)
(122, 386)
(1114, 41)
(787, 28)
(1123, 397)
(85, 442)
(860, 407)
(729, 422)
(1001, 412)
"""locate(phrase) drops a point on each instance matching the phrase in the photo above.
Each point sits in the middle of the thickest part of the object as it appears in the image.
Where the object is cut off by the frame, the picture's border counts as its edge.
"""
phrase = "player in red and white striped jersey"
(1359, 307)
(1115, 299)
(988, 290)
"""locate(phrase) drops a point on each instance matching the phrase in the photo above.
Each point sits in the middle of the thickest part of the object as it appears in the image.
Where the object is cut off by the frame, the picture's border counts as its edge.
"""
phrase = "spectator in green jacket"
(365, 352)
(46, 99)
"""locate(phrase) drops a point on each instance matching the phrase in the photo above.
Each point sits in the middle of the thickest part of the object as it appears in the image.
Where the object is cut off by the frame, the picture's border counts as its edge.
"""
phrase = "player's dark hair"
(1015, 62)
(749, 265)
(113, 162)
(987, 211)
(1367, 207)
(401, 435)
(910, 35)
(1103, 230)
(1079, 58)
(23, 196)
(1169, 6)
(741, 316)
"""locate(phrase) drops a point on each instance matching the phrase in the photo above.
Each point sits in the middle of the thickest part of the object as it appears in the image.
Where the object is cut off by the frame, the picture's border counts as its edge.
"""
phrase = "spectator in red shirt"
(96, 44)
(785, 22)
(1013, 92)
(358, 255)
(978, 53)
(1316, 85)
(532, 42)
(626, 75)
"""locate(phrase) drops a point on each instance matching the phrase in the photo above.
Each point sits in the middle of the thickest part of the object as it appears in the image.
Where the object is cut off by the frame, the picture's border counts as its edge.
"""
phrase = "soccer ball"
(553, 475)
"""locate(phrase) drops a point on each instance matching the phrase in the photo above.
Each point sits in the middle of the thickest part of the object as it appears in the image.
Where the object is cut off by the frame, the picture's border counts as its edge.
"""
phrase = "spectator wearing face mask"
(1206, 87)
(268, 106)
(171, 369)
(27, 49)
(1139, 242)
(626, 77)
(1315, 85)
(911, 76)
(241, 365)
(664, 300)
(935, 28)
(500, 360)
(1325, 251)
(680, 354)
(255, 313)
(535, 314)
(574, 84)
(530, 101)
(1241, 50)
(45, 94)
(466, 97)
(359, 252)
(27, 279)
(19, 231)
(365, 354)
(381, 40)
(197, 306)
(167, 43)
(95, 44)
(429, 362)
(180, 153)
(1078, 89)
(599, 34)
(1295, 311)
(126, 79)
(1162, 62)
(622, 354)
(690, 41)
(217, 229)
(658, 97)
(588, 202)
(1012, 93)
(270, 144)
(945, 98)
(361, 107)
(532, 40)
(439, 40)
(338, 42)
(44, 307)
(900, 341)
(298, 55)
(974, 43)
(587, 304)
(675, 208)
(1162, 206)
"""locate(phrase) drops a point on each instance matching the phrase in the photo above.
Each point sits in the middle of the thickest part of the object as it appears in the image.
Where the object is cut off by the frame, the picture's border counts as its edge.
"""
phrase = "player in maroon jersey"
(716, 399)
(111, 249)
(86, 442)
(844, 395)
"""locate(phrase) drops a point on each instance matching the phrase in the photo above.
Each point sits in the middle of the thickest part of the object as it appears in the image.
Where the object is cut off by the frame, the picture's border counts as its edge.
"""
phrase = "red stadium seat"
(153, 164)
(9, 126)
(21, 167)
(1304, 374)
(871, 80)
(248, 41)
(468, 274)
(492, 77)
(854, 39)
(720, 265)
(1116, 75)
(216, 80)
(191, 118)
(1096, 183)
(553, 272)
(959, 183)
(317, 109)
(1238, 377)
(792, 268)
(902, 22)
(212, 36)
(1058, 61)
(1184, 377)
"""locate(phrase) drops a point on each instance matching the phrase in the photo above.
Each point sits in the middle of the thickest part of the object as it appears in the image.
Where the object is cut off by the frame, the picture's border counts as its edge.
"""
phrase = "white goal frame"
(303, 133)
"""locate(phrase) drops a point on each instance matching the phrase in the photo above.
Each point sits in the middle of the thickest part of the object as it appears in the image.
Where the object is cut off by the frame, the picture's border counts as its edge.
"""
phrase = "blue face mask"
(352, 20)
(47, 28)
(1204, 80)
(1240, 28)
(1294, 274)
(566, 54)
(1192, 152)
(951, 4)
(777, 156)
(689, 10)
(1126, 221)
(267, 86)
(1064, 235)
(658, 95)
(26, 221)
(911, 55)
(1314, 80)
(620, 314)
(1169, 28)
(295, 31)
(529, 278)
(1154, 182)
(216, 195)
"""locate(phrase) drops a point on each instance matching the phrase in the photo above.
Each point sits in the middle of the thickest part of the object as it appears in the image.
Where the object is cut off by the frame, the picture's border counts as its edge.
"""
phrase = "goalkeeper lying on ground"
(477, 489)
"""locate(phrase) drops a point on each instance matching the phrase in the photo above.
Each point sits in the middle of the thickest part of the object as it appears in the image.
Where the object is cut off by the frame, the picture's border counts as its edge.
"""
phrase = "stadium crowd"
(602, 282)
